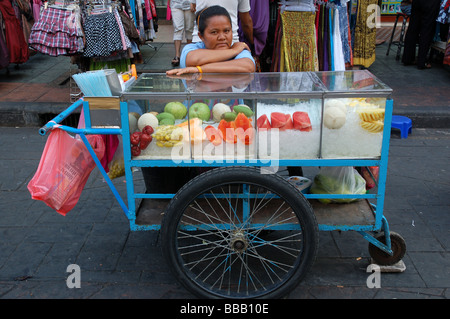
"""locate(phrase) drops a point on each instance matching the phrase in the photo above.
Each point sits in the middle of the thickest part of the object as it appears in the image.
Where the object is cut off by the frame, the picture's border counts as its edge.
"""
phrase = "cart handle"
(56, 120)
(61, 116)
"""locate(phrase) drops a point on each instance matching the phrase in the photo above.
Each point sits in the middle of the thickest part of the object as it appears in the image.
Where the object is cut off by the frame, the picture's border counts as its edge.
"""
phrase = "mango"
(229, 116)
(242, 108)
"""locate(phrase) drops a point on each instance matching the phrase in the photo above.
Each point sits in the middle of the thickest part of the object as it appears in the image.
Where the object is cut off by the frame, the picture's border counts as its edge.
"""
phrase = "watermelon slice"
(302, 121)
(289, 125)
(263, 123)
(278, 119)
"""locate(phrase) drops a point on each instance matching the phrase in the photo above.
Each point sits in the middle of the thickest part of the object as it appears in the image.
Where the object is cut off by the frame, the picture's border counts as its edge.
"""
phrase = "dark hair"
(207, 13)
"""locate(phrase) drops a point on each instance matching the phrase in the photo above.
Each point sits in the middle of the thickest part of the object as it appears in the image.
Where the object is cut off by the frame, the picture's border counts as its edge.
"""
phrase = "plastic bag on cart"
(338, 180)
(116, 165)
(370, 174)
(64, 169)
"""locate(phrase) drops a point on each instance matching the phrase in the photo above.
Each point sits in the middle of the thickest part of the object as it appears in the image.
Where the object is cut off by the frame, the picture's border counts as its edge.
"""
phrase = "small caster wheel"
(398, 246)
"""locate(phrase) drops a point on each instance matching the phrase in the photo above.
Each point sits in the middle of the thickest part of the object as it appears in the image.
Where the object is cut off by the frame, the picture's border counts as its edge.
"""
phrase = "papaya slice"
(192, 122)
(213, 135)
(227, 130)
(242, 121)
(245, 136)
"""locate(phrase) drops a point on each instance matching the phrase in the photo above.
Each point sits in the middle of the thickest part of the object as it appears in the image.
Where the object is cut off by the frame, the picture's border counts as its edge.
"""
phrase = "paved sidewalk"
(41, 85)
(37, 244)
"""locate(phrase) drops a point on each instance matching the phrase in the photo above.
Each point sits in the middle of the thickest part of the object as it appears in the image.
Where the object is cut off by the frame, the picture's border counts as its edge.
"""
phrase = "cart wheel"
(398, 246)
(235, 233)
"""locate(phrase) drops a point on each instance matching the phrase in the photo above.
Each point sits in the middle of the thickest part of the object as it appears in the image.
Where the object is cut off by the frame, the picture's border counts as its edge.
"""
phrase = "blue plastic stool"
(403, 123)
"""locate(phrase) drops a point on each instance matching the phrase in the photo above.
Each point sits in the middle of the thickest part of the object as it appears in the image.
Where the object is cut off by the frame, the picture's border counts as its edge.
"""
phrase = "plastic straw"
(93, 83)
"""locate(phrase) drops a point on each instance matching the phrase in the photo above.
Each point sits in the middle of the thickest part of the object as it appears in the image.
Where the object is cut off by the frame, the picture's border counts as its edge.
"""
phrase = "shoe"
(424, 67)
(176, 61)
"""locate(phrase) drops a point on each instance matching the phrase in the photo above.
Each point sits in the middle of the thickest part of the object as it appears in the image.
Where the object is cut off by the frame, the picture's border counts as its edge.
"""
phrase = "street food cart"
(238, 228)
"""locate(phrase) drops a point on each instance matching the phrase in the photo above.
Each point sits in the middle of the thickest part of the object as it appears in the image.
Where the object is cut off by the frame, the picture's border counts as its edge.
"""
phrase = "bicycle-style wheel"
(235, 233)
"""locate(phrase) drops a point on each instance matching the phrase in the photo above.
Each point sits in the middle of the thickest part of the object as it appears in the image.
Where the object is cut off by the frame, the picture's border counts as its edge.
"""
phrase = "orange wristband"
(199, 69)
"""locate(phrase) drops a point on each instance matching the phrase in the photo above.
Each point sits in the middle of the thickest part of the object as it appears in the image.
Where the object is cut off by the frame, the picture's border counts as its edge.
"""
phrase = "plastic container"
(303, 184)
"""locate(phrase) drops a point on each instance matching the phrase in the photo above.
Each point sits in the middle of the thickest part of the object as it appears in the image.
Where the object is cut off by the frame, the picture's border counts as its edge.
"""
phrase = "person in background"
(183, 23)
(216, 53)
(235, 8)
(422, 26)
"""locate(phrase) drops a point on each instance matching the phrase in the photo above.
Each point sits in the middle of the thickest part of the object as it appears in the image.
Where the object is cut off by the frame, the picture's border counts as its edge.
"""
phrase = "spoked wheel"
(236, 233)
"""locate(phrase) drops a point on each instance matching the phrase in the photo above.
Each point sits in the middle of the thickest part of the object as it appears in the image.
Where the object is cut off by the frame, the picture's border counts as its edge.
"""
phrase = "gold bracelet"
(199, 69)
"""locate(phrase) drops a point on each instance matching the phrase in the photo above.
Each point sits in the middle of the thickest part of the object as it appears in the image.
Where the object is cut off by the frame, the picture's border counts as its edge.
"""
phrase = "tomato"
(148, 130)
(145, 140)
(213, 135)
(135, 150)
(135, 138)
(263, 122)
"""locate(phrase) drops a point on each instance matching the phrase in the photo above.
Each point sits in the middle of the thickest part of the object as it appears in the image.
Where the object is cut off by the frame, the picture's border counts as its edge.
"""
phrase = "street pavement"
(37, 244)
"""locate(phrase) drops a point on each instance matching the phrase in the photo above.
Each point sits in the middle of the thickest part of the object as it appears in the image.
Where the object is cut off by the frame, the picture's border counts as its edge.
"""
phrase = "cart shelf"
(359, 215)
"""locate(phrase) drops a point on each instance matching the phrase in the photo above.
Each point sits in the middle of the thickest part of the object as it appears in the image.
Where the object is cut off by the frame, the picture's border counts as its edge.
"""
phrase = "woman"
(216, 53)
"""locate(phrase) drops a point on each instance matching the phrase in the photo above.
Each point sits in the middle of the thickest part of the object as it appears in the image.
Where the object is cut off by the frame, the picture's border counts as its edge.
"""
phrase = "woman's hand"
(187, 70)
(239, 47)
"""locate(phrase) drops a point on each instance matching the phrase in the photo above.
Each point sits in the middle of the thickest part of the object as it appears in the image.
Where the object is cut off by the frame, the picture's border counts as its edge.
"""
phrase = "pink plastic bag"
(64, 169)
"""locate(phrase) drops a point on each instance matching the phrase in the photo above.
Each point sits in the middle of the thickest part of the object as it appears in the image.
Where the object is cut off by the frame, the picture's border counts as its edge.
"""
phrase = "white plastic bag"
(338, 180)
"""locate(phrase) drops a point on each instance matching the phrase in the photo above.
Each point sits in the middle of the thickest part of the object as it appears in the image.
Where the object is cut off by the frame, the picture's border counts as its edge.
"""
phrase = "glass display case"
(353, 114)
(260, 116)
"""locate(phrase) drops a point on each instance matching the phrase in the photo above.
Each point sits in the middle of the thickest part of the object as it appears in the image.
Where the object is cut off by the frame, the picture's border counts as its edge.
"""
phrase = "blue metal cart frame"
(379, 224)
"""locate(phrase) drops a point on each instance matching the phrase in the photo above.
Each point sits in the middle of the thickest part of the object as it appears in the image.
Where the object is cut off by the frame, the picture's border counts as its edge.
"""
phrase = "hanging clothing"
(365, 36)
(447, 50)
(338, 56)
(104, 37)
(299, 42)
(344, 29)
(57, 32)
(36, 9)
(276, 55)
(4, 55)
(14, 38)
(260, 16)
(444, 12)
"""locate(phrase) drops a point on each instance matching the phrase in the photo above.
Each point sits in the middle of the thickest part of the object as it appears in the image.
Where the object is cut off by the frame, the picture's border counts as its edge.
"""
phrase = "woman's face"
(218, 34)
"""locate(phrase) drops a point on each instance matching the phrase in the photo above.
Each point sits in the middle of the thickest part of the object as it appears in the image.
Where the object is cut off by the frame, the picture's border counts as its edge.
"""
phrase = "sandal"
(176, 61)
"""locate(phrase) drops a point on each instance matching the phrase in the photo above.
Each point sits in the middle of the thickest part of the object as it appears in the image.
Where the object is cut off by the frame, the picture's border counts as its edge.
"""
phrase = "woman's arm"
(206, 56)
(244, 65)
